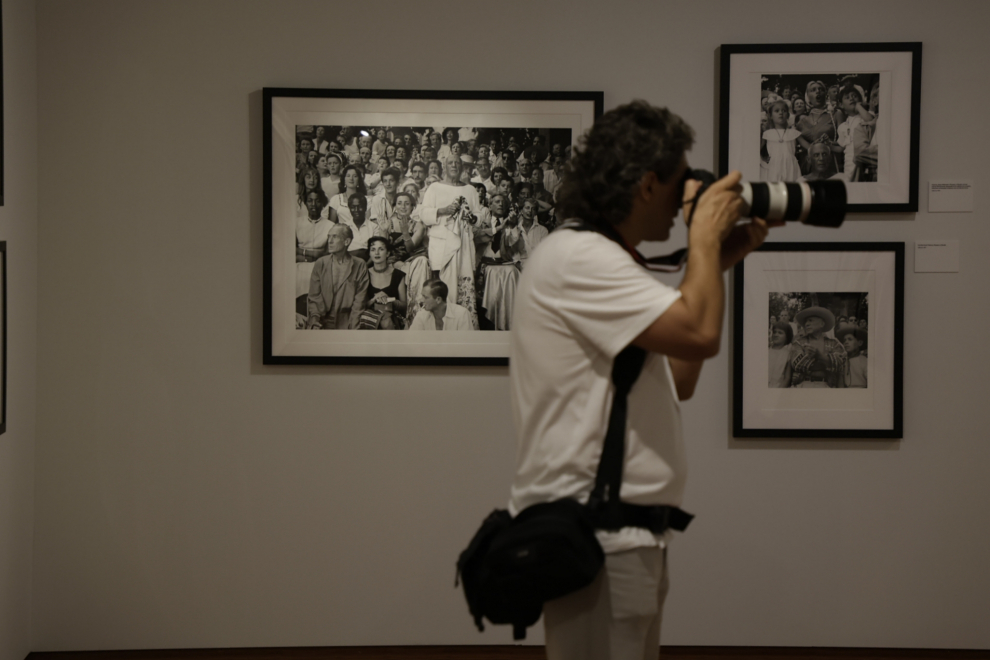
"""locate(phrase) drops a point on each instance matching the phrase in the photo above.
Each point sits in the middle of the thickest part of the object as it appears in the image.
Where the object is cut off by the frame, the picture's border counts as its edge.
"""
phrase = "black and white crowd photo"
(420, 228)
(818, 339)
(815, 127)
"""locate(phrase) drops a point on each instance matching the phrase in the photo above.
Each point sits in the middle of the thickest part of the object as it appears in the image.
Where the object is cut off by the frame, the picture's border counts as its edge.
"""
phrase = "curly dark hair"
(623, 145)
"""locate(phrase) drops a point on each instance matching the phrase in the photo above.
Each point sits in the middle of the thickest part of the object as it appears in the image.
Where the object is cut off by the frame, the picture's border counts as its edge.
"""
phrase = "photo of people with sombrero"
(823, 347)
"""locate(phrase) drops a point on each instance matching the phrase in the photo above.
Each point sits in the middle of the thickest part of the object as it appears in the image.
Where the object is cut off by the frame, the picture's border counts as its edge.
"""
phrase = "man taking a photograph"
(582, 299)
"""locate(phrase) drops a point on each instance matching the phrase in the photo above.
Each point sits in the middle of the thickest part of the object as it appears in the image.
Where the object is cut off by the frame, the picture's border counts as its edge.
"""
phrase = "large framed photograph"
(397, 223)
(818, 341)
(807, 112)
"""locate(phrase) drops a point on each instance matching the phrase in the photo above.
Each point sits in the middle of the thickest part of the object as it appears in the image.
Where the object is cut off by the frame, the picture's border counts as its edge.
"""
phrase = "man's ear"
(649, 185)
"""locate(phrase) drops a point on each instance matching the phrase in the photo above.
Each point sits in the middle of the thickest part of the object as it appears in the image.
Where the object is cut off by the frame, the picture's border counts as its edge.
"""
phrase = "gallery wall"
(188, 496)
(19, 228)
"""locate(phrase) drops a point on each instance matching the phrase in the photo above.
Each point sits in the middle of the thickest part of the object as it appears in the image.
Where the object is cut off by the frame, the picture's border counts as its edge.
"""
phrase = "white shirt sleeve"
(421, 321)
(606, 297)
(428, 209)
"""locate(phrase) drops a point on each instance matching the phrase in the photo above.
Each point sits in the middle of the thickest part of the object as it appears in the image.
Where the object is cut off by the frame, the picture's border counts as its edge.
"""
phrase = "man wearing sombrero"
(821, 361)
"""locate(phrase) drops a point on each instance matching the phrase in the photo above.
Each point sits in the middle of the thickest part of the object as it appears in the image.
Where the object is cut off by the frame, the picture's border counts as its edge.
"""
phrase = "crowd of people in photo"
(814, 347)
(418, 228)
(812, 130)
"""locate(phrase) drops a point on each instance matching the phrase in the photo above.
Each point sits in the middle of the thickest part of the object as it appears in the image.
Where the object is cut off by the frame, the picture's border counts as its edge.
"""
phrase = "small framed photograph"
(397, 222)
(807, 112)
(818, 341)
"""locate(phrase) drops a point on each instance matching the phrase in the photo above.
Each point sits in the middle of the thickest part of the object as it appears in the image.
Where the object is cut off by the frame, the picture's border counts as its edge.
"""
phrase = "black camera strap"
(668, 263)
(607, 510)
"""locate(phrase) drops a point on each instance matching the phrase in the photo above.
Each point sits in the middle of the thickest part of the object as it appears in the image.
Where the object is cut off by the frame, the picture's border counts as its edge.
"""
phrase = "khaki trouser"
(616, 617)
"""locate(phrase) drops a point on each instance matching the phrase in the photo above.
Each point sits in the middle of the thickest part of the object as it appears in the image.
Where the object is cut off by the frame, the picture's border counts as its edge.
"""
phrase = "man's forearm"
(703, 291)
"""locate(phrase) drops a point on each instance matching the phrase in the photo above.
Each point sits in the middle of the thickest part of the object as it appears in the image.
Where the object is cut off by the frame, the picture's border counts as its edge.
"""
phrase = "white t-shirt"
(581, 300)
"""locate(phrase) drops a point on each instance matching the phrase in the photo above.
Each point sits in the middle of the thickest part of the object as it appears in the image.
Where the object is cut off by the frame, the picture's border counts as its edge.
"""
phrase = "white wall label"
(936, 256)
(950, 196)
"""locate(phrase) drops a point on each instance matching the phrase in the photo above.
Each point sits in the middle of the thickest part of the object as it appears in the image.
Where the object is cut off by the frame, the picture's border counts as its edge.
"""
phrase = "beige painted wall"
(188, 496)
(19, 228)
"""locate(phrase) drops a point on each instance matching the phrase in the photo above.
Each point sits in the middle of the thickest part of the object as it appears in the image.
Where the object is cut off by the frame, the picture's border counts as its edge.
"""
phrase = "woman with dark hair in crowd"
(351, 182)
(331, 179)
(404, 231)
(450, 138)
(387, 286)
(307, 181)
(410, 244)
(434, 168)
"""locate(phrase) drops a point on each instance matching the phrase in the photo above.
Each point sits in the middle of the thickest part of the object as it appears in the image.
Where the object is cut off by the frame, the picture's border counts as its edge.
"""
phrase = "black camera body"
(817, 203)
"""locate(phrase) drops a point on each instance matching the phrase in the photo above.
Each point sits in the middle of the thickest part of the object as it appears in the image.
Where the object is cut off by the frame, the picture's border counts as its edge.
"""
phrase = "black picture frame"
(285, 111)
(3, 336)
(873, 274)
(2, 159)
(745, 71)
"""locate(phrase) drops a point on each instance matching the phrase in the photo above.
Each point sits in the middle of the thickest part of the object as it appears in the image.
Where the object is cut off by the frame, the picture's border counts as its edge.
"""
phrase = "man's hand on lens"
(743, 239)
(718, 210)
(722, 214)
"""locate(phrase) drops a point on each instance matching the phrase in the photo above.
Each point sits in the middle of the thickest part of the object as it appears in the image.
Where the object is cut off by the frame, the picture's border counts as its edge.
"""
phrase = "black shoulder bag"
(514, 565)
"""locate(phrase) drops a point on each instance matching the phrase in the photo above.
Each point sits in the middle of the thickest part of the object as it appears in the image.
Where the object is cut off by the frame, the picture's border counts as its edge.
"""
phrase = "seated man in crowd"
(365, 153)
(525, 171)
(338, 286)
(312, 231)
(506, 187)
(321, 143)
(418, 174)
(557, 151)
(522, 235)
(437, 313)
(428, 153)
(484, 174)
(347, 141)
(361, 227)
(553, 176)
(383, 204)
